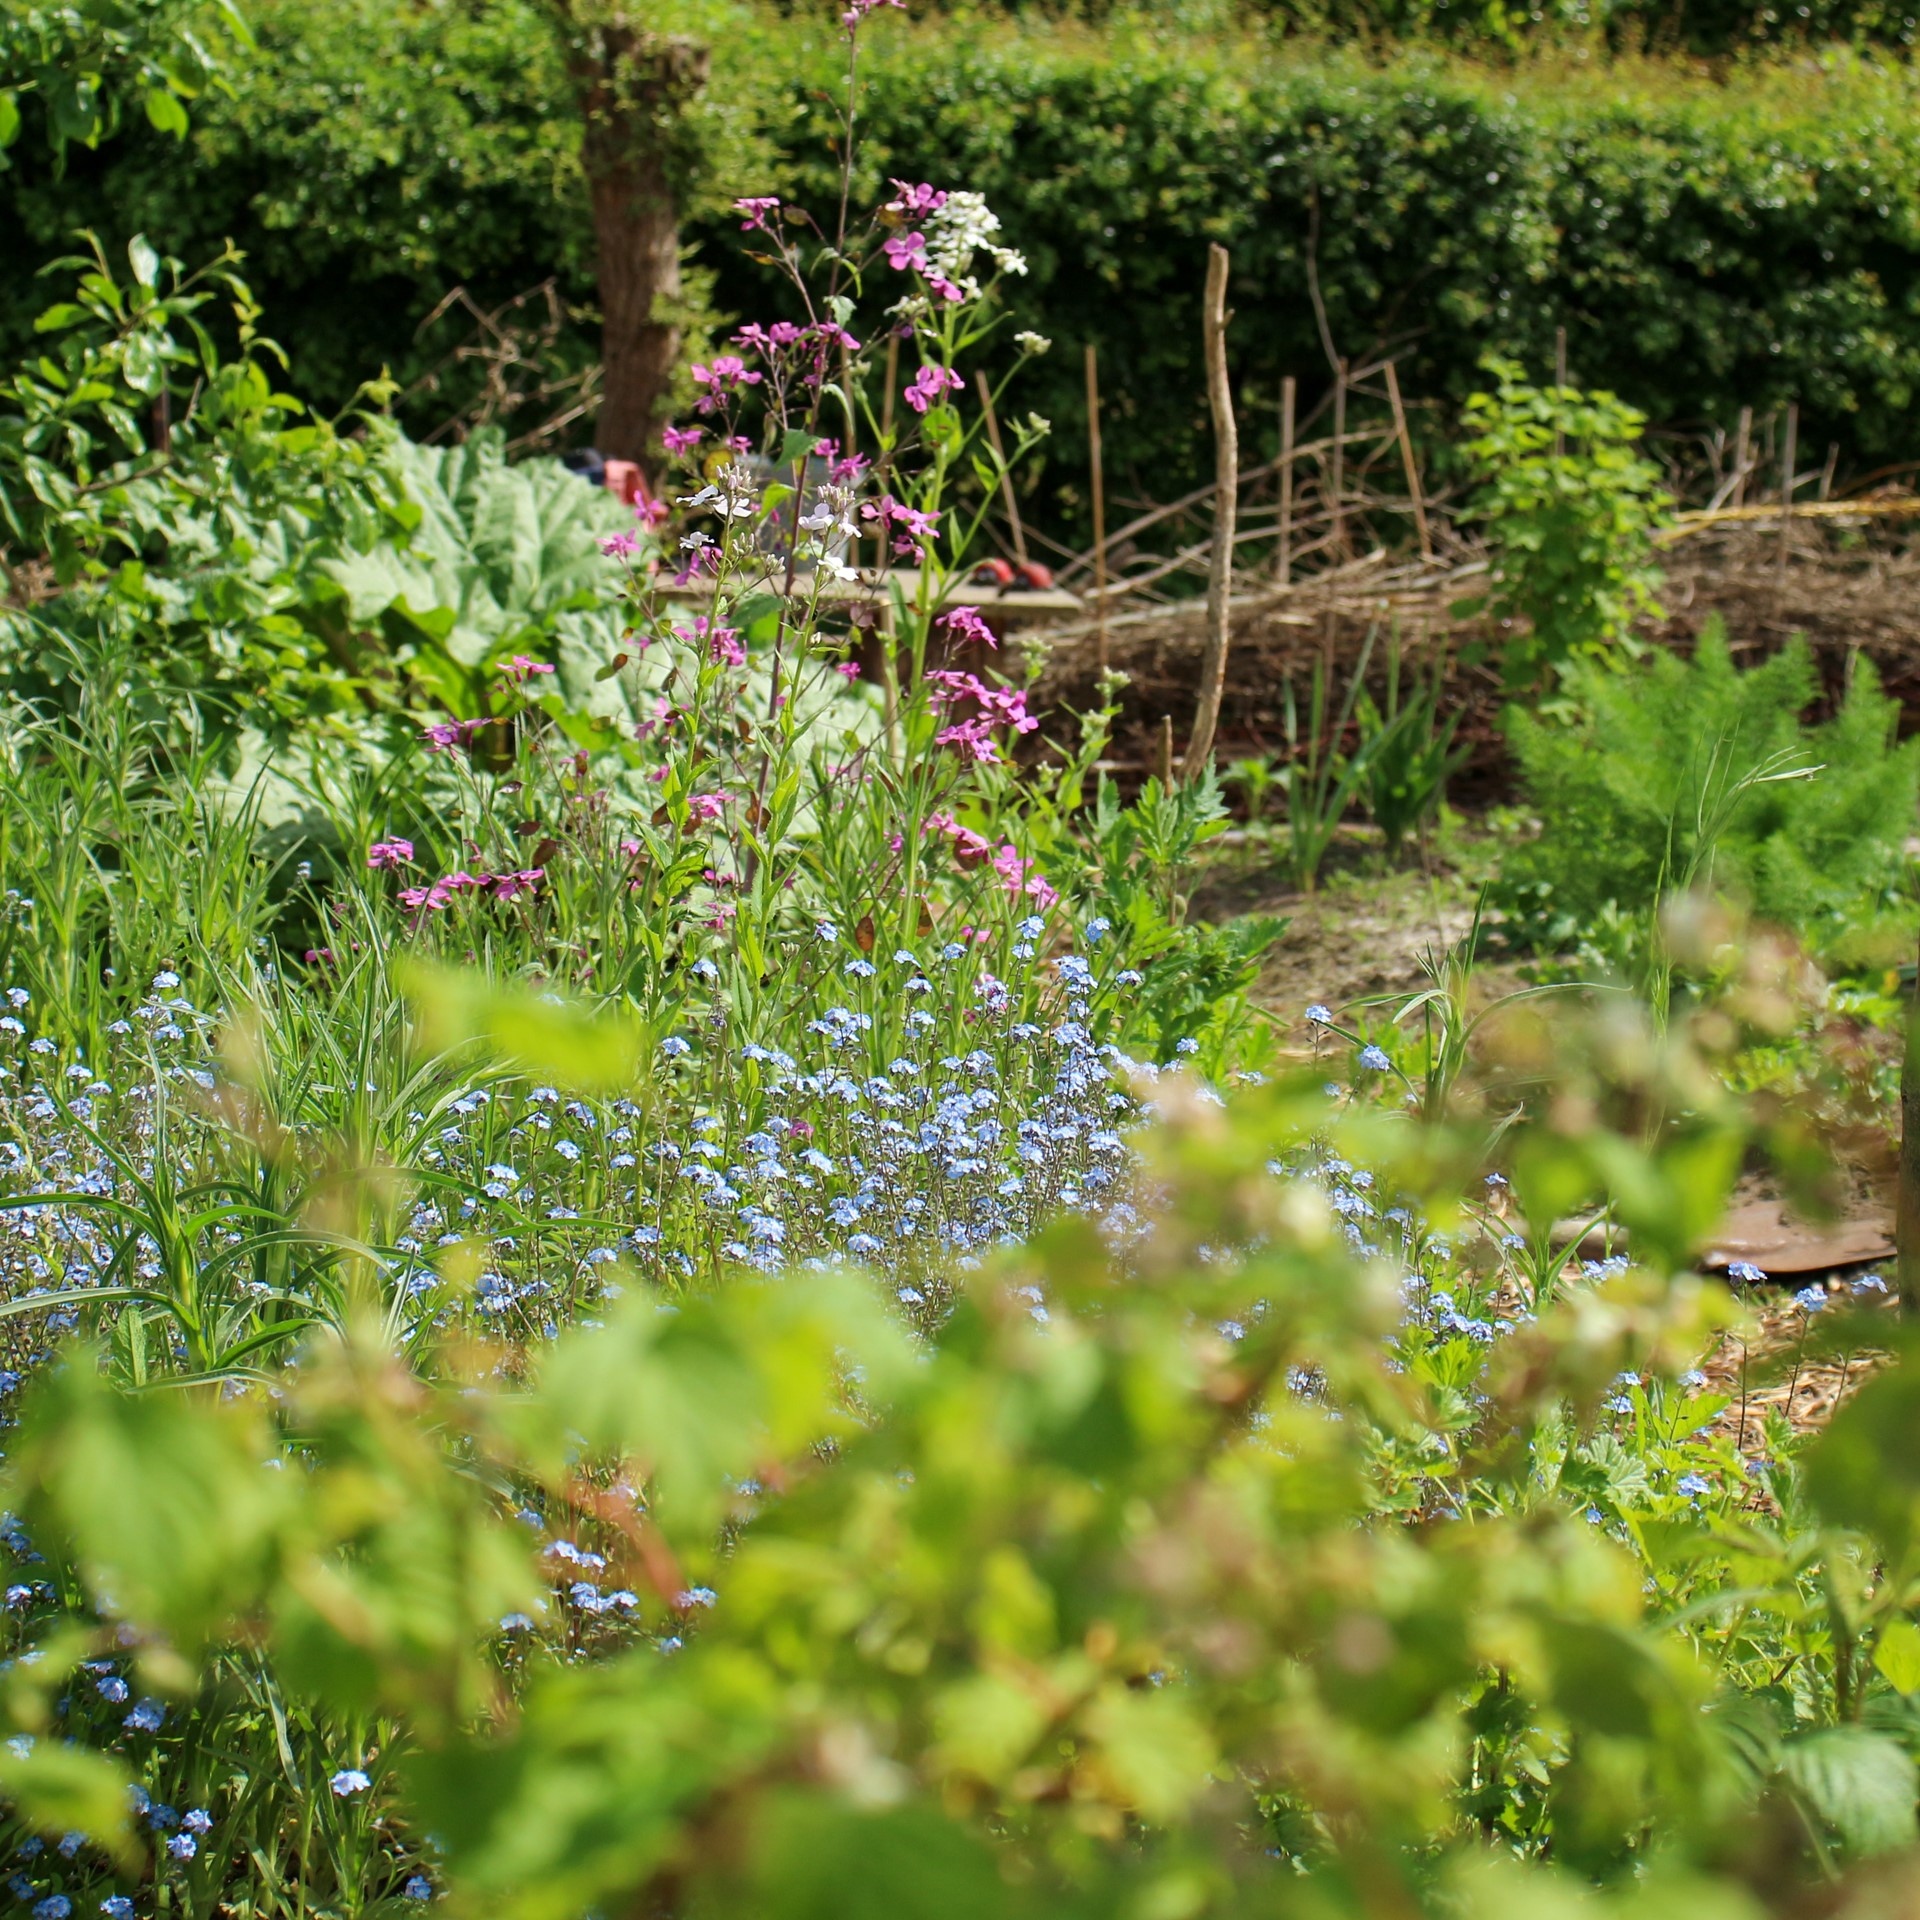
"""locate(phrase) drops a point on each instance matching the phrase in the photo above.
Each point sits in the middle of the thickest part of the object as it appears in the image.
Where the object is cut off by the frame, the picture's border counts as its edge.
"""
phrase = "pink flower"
(1018, 876)
(706, 806)
(915, 526)
(916, 200)
(756, 209)
(509, 886)
(850, 668)
(727, 373)
(857, 10)
(966, 628)
(445, 734)
(390, 853)
(904, 250)
(620, 546)
(650, 513)
(520, 668)
(929, 384)
(662, 717)
(720, 644)
(969, 848)
(739, 444)
(679, 440)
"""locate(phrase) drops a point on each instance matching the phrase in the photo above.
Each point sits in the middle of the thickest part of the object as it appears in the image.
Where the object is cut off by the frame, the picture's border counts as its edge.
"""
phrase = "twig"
(1289, 393)
(1099, 506)
(1006, 474)
(1406, 454)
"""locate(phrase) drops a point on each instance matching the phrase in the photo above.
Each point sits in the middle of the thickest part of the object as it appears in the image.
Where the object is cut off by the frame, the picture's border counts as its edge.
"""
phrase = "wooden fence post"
(1339, 528)
(1742, 453)
(1289, 399)
(1786, 477)
(1226, 495)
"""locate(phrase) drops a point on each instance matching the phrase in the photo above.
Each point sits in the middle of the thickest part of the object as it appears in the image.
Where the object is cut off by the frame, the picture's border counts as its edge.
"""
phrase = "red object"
(992, 573)
(623, 481)
(1036, 577)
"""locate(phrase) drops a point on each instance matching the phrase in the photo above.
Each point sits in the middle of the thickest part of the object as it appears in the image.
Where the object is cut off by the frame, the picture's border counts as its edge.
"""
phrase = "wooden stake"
(1786, 476)
(1226, 498)
(1163, 760)
(1742, 454)
(1826, 472)
(1289, 397)
(1339, 530)
(1006, 474)
(1559, 380)
(1099, 512)
(1406, 455)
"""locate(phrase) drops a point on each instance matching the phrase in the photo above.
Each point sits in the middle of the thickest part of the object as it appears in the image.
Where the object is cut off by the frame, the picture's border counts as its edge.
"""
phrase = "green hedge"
(1706, 243)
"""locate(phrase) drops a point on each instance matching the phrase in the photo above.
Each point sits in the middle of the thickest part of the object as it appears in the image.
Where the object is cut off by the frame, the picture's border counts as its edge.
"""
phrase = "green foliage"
(1708, 243)
(78, 62)
(1570, 507)
(1672, 775)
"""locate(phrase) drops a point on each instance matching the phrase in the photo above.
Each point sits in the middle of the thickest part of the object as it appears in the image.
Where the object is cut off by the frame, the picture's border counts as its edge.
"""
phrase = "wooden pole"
(1099, 511)
(1742, 454)
(1007, 500)
(1406, 455)
(1786, 476)
(1339, 528)
(1226, 498)
(1559, 381)
(1289, 401)
(1826, 472)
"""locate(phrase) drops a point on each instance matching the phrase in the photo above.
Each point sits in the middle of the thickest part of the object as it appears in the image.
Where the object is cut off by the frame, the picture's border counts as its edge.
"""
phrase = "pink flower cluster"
(1018, 876)
(916, 200)
(519, 668)
(390, 853)
(756, 209)
(857, 10)
(679, 440)
(447, 734)
(442, 893)
(720, 644)
(930, 385)
(914, 526)
(843, 470)
(966, 628)
(996, 707)
(721, 380)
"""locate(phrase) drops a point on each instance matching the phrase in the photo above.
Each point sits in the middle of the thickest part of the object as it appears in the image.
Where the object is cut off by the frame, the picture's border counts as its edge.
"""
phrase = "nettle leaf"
(1859, 1785)
(1898, 1655)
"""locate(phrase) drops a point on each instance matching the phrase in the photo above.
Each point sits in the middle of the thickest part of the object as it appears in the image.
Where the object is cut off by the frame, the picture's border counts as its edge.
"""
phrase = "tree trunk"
(632, 86)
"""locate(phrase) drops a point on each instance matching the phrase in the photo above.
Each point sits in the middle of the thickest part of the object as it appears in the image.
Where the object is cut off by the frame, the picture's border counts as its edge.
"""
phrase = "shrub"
(1640, 793)
(1707, 244)
(1569, 505)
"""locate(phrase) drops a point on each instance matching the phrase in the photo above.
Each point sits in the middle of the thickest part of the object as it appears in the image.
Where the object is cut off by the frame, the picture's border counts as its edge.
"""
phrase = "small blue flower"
(1744, 1272)
(418, 1888)
(198, 1820)
(1374, 1060)
(56, 1906)
(116, 1906)
(1693, 1485)
(674, 1047)
(1869, 1283)
(349, 1781)
(183, 1846)
(1810, 1299)
(1319, 1016)
(147, 1716)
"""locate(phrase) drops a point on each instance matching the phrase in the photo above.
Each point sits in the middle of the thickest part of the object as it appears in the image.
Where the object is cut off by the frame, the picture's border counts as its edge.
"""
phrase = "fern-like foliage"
(1697, 771)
